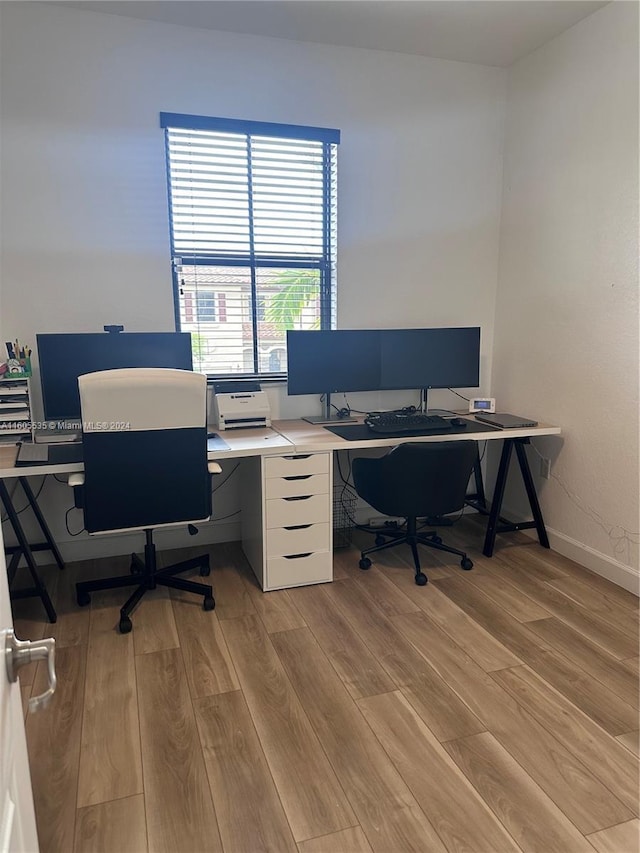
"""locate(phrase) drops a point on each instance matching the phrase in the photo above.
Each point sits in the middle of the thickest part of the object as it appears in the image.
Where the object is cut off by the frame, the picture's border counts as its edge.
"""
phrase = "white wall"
(82, 172)
(566, 338)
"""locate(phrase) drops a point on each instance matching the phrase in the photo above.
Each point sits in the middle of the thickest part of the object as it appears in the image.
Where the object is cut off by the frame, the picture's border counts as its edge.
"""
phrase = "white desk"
(287, 488)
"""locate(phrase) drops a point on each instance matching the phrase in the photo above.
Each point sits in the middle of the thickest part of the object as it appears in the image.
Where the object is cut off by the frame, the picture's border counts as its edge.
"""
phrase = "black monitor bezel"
(180, 341)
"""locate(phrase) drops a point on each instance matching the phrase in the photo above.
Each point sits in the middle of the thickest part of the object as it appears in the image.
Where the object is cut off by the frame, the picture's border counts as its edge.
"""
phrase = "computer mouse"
(459, 422)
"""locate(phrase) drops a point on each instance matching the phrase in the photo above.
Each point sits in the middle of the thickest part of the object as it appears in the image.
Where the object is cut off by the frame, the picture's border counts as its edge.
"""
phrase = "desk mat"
(57, 454)
(361, 432)
(214, 442)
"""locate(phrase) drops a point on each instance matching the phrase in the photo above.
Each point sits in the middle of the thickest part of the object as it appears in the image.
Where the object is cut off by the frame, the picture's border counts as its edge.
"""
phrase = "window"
(253, 238)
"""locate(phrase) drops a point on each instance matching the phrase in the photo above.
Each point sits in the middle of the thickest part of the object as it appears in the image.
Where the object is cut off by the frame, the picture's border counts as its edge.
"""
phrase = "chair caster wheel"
(209, 603)
(365, 563)
(83, 598)
(125, 625)
(466, 564)
(379, 540)
(205, 571)
(421, 579)
(437, 540)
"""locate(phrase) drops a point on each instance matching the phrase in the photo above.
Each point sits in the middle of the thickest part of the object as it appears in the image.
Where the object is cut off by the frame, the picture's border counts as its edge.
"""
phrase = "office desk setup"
(287, 495)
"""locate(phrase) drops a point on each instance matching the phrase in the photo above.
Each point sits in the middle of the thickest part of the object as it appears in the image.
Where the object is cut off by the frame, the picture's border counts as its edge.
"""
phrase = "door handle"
(18, 653)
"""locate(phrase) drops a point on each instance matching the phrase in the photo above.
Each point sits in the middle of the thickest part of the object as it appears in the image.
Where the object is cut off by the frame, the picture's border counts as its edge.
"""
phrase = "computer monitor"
(64, 357)
(324, 362)
(430, 358)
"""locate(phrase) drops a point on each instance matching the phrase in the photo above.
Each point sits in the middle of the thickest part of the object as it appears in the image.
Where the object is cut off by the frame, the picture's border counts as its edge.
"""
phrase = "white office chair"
(145, 466)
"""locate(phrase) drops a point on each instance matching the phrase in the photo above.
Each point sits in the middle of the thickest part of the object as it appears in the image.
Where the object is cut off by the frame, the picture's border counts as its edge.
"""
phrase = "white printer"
(237, 406)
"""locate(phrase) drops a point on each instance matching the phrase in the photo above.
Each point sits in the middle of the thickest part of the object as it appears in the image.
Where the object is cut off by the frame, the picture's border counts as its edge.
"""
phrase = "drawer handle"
(297, 527)
(298, 456)
(298, 498)
(298, 477)
(298, 556)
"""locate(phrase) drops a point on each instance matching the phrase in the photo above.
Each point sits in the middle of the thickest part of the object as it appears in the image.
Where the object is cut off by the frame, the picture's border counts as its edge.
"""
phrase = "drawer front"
(299, 570)
(283, 512)
(283, 541)
(292, 466)
(302, 484)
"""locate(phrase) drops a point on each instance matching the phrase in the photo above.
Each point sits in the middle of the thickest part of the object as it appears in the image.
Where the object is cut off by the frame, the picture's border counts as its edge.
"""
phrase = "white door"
(17, 818)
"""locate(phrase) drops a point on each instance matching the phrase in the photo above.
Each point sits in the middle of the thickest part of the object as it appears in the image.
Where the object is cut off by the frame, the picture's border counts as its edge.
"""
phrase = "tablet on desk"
(505, 421)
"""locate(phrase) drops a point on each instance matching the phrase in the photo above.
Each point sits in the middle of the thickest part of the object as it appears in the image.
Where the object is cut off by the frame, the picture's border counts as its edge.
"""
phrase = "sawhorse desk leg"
(24, 549)
(496, 524)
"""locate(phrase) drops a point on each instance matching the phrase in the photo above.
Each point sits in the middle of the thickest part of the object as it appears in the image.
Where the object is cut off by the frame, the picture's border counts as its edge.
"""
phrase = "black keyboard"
(392, 422)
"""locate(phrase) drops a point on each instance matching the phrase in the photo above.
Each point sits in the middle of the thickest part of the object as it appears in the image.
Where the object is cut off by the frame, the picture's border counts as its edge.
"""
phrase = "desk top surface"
(292, 436)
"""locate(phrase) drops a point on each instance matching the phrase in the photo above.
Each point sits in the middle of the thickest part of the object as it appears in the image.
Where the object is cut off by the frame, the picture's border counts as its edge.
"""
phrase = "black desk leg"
(531, 493)
(44, 527)
(498, 495)
(39, 588)
(479, 483)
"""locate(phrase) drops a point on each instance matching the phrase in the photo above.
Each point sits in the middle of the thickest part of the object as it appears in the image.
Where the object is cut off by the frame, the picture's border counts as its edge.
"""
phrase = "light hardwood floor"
(492, 710)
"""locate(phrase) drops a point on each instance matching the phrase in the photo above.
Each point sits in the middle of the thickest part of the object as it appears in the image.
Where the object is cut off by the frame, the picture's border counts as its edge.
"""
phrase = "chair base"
(146, 575)
(412, 538)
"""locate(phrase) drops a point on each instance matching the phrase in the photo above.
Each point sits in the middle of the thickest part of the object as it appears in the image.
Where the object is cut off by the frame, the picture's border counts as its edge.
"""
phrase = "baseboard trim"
(89, 548)
(597, 562)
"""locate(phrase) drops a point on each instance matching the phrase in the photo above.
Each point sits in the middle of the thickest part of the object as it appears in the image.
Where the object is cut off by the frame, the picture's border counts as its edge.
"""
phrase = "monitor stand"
(326, 417)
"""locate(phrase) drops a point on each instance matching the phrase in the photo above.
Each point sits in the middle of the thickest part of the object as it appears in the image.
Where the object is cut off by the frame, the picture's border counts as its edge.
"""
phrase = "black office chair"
(145, 466)
(415, 480)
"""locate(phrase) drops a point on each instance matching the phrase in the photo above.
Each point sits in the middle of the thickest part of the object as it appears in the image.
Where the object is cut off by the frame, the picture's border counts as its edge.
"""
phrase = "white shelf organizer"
(15, 408)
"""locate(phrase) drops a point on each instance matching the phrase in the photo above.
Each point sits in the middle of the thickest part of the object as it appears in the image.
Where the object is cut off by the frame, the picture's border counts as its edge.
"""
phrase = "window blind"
(253, 238)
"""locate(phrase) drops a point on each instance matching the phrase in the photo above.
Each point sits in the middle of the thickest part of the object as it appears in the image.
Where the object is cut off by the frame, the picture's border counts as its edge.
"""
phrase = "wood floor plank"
(154, 627)
(631, 741)
(180, 812)
(624, 838)
(592, 625)
(438, 705)
(512, 600)
(601, 754)
(386, 810)
(532, 818)
(356, 665)
(110, 758)
(276, 609)
(584, 690)
(231, 593)
(72, 627)
(443, 792)
(387, 596)
(307, 785)
(352, 840)
(115, 826)
(249, 811)
(53, 738)
(206, 657)
(478, 643)
(617, 676)
(578, 792)
(594, 600)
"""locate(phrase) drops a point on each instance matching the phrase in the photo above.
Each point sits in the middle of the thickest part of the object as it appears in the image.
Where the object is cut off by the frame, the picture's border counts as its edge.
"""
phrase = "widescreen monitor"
(64, 357)
(320, 362)
(430, 358)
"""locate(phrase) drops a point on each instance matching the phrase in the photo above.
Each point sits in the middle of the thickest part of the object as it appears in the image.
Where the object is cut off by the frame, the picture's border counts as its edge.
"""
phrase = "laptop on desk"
(505, 421)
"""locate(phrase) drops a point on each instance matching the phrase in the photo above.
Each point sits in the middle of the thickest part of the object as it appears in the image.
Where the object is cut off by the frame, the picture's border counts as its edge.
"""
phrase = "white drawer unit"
(287, 531)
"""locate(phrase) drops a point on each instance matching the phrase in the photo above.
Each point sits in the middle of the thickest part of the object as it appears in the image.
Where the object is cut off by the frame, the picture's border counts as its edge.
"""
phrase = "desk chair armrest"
(214, 468)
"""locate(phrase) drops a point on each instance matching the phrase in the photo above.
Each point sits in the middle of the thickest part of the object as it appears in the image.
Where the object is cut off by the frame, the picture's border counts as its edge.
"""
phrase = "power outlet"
(385, 521)
(545, 468)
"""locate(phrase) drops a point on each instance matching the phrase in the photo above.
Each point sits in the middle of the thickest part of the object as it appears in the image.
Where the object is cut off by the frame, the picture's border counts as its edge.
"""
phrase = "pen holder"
(19, 367)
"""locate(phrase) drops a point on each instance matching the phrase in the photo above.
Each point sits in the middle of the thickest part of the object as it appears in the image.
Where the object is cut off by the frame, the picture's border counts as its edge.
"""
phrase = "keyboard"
(394, 422)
